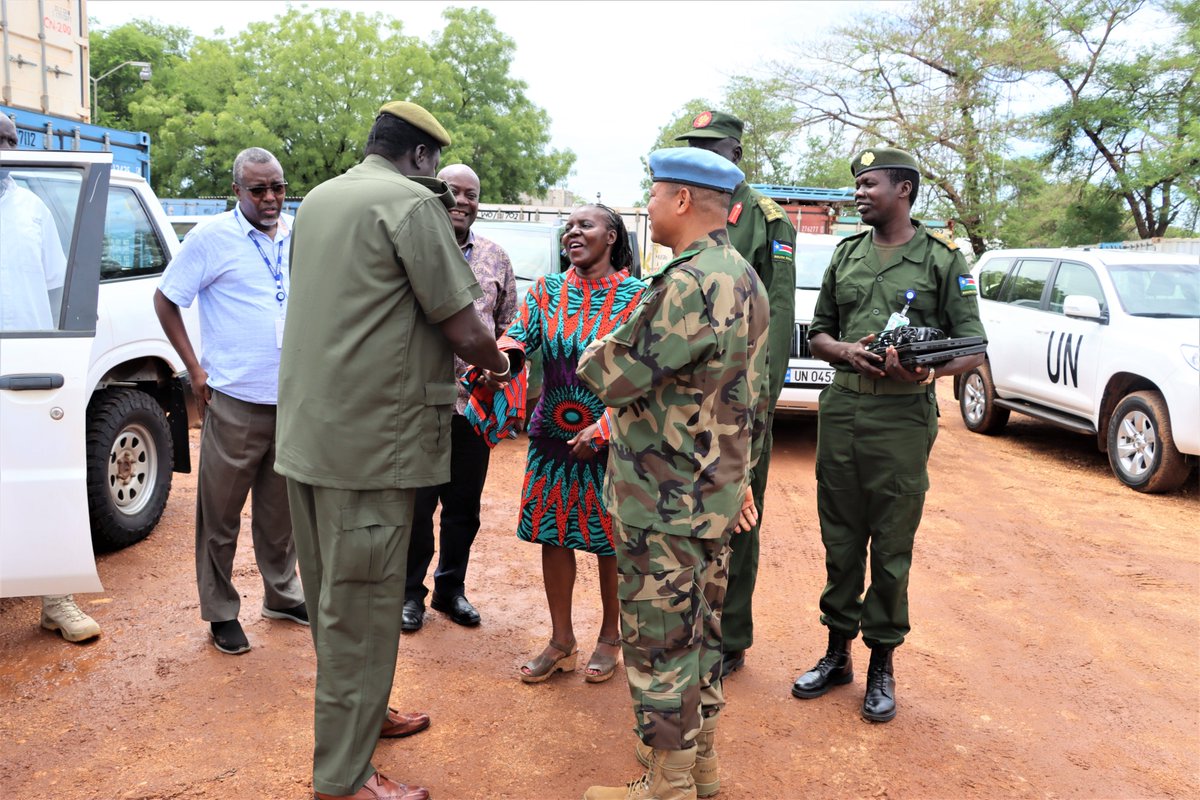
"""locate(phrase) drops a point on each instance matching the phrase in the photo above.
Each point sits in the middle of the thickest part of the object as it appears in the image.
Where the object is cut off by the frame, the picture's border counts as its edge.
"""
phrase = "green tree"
(931, 78)
(1131, 121)
(1042, 213)
(161, 46)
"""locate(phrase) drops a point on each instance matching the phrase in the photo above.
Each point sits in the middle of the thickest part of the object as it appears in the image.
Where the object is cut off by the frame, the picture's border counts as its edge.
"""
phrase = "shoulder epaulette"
(945, 239)
(770, 209)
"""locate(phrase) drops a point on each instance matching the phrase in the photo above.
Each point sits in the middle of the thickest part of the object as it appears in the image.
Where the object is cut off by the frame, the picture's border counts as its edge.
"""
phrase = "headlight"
(1191, 354)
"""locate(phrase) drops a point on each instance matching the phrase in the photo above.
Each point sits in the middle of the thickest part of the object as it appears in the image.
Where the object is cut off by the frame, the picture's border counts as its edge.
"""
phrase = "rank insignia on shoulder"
(781, 250)
(770, 209)
(966, 286)
(945, 239)
(734, 213)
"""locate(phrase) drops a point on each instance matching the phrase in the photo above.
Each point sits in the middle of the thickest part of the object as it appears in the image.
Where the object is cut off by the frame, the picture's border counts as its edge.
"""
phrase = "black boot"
(834, 669)
(879, 705)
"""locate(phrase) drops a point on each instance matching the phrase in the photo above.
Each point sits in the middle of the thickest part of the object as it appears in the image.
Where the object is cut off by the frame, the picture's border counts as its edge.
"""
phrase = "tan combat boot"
(59, 613)
(706, 774)
(669, 777)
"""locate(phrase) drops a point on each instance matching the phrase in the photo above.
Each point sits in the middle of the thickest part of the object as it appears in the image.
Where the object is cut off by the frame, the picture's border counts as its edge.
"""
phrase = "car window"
(529, 249)
(37, 218)
(991, 277)
(1027, 282)
(1074, 278)
(811, 263)
(1158, 290)
(182, 228)
(131, 244)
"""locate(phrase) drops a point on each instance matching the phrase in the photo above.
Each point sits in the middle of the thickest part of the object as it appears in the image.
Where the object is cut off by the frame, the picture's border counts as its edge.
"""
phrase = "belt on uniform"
(864, 385)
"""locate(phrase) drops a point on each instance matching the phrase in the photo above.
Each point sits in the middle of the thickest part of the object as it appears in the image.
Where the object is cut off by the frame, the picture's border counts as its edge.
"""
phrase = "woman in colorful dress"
(561, 505)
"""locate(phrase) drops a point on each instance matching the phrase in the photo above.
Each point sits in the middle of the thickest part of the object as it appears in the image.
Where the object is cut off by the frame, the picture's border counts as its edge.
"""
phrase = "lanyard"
(276, 271)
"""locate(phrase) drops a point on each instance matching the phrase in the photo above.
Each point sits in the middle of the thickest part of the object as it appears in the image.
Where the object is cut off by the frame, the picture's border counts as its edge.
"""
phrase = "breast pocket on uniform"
(436, 416)
(846, 295)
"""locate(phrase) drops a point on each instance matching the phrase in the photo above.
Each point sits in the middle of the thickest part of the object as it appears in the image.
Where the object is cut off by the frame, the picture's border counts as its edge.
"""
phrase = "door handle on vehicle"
(31, 381)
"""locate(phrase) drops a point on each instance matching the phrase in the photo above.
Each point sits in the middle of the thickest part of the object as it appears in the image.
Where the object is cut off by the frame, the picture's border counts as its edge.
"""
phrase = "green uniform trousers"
(872, 452)
(353, 549)
(671, 589)
(737, 618)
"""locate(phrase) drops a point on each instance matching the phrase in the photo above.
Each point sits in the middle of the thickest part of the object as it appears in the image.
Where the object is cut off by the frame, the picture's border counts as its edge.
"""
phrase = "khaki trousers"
(237, 458)
(353, 549)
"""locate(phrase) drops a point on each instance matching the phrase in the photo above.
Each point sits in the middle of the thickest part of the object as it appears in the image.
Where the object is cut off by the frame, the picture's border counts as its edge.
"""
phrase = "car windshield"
(1158, 290)
(811, 262)
(529, 248)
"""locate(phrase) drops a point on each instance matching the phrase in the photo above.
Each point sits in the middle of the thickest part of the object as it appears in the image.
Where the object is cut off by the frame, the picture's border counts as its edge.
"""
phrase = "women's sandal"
(603, 666)
(542, 666)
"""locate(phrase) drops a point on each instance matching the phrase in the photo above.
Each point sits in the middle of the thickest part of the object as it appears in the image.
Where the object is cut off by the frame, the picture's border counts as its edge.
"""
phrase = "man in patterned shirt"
(468, 451)
(686, 378)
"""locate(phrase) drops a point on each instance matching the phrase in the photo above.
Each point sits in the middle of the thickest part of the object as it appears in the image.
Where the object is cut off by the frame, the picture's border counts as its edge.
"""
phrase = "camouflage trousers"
(672, 589)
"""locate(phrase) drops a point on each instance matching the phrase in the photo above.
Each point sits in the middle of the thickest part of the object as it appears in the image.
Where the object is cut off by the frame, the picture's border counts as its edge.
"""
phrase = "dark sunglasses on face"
(258, 192)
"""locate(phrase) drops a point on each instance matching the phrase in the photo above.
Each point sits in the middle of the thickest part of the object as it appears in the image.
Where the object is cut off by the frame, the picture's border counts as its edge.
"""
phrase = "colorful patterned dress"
(562, 314)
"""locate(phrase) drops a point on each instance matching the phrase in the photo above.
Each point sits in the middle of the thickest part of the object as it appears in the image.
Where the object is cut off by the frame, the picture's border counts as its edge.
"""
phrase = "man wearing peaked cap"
(877, 422)
(686, 379)
(381, 301)
(761, 231)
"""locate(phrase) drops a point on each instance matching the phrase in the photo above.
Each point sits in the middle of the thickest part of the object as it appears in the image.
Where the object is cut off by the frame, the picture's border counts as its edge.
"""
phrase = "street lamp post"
(143, 73)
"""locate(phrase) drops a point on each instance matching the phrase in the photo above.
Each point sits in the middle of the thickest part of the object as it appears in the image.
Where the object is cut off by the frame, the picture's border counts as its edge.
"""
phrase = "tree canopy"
(307, 86)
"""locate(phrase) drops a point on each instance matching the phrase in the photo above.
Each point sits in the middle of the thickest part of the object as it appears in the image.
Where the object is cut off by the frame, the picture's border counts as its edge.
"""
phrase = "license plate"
(808, 376)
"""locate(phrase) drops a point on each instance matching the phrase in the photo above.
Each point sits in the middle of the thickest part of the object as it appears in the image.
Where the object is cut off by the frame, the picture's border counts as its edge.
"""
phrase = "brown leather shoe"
(398, 725)
(378, 787)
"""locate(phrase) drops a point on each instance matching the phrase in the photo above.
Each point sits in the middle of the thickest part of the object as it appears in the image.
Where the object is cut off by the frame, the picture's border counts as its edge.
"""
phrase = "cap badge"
(868, 158)
(702, 119)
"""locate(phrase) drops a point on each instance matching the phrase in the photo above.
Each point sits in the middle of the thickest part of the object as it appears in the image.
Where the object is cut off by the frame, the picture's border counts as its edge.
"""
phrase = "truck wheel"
(1141, 448)
(977, 403)
(129, 461)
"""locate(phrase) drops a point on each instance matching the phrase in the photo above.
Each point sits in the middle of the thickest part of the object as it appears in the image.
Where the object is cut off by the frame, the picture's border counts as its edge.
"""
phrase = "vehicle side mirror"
(1084, 307)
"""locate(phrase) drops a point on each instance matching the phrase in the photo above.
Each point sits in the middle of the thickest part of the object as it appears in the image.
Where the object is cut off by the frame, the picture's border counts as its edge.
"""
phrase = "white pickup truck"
(94, 410)
(1103, 342)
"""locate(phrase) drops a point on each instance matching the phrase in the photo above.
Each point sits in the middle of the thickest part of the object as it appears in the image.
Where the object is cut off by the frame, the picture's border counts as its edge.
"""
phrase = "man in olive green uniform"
(878, 420)
(381, 299)
(686, 379)
(761, 231)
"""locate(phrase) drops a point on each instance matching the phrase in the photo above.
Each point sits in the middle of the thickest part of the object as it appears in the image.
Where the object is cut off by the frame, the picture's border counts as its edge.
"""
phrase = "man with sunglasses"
(237, 265)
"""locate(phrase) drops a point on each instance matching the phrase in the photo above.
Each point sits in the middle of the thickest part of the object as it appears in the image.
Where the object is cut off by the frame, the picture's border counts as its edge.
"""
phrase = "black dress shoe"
(732, 661)
(459, 609)
(412, 616)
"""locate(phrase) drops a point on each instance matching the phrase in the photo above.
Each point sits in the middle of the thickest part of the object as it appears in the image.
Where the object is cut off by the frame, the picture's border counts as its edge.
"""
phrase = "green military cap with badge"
(713, 125)
(882, 158)
(418, 117)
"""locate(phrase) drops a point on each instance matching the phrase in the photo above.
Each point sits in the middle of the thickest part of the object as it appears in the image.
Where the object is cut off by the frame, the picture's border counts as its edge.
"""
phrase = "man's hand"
(580, 443)
(200, 388)
(863, 360)
(748, 517)
(896, 371)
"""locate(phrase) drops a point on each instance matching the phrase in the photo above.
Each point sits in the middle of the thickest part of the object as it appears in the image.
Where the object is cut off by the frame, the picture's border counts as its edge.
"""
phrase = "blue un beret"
(694, 166)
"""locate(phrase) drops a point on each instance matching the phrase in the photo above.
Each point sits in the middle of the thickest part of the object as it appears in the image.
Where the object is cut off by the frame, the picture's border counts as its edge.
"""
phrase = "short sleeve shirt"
(366, 380)
(32, 263)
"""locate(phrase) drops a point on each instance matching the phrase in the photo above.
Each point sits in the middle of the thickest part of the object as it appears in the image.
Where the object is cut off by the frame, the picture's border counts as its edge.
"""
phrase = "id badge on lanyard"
(280, 293)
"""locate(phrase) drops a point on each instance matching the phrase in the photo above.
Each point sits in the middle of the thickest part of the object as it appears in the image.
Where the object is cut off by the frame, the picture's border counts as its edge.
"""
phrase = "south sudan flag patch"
(781, 250)
(966, 286)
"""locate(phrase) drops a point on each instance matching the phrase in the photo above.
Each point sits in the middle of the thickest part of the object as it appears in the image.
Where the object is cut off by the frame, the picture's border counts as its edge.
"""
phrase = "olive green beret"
(713, 125)
(882, 158)
(419, 118)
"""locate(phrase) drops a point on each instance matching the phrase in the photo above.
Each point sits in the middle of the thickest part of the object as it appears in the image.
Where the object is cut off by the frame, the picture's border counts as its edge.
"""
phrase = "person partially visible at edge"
(33, 269)
(686, 381)
(561, 505)
(469, 453)
(237, 266)
(877, 422)
(367, 393)
(762, 233)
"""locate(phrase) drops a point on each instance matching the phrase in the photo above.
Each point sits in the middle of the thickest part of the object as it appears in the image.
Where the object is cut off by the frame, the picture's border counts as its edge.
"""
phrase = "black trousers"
(460, 517)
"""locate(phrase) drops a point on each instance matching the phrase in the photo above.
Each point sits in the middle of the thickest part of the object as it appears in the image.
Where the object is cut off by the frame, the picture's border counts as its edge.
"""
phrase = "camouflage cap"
(419, 118)
(882, 158)
(695, 167)
(713, 125)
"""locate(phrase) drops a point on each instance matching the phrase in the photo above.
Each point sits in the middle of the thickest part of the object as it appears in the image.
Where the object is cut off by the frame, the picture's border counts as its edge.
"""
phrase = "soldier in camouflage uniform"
(762, 233)
(878, 420)
(685, 379)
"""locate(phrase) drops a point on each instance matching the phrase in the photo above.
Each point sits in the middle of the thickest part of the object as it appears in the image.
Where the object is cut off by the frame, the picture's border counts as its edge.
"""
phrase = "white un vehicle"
(1103, 342)
(807, 376)
(93, 409)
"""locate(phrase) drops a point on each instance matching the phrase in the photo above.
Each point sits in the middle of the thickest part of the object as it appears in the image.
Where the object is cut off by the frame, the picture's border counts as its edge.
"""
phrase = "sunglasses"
(259, 192)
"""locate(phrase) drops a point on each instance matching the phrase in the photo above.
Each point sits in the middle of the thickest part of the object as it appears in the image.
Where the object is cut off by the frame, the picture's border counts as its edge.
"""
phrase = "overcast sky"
(610, 74)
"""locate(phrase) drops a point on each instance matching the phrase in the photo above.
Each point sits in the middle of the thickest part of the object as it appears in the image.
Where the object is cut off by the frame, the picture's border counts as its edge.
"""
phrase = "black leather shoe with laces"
(835, 668)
